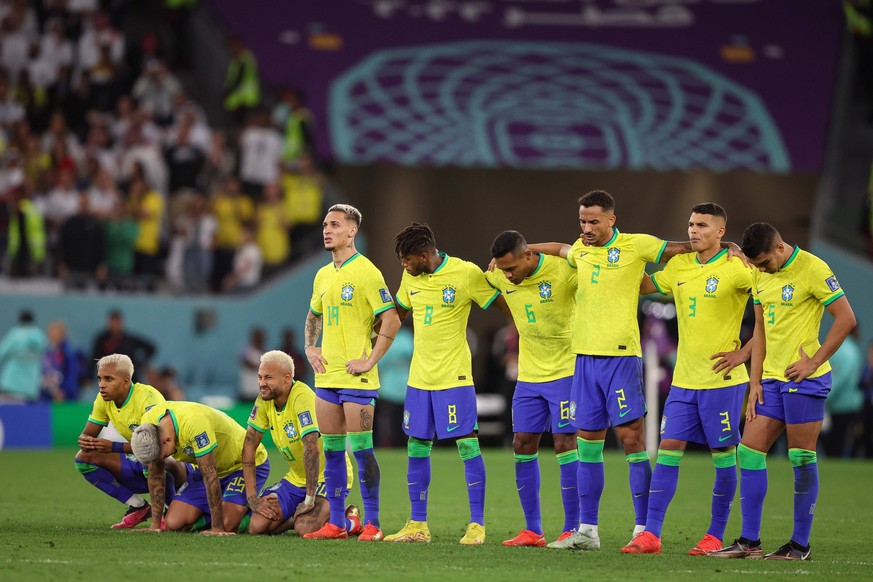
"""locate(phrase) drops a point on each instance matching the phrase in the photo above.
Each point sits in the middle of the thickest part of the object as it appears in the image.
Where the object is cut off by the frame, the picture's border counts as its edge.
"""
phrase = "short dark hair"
(710, 208)
(600, 198)
(508, 241)
(414, 239)
(25, 316)
(758, 239)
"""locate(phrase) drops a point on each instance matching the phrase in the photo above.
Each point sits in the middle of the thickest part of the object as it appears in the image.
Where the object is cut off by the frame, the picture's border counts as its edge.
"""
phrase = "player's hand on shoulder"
(734, 250)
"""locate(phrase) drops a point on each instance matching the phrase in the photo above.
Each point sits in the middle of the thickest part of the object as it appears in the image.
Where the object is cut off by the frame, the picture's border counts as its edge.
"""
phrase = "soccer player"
(441, 398)
(540, 291)
(706, 400)
(790, 380)
(109, 465)
(349, 295)
(286, 407)
(198, 434)
(607, 382)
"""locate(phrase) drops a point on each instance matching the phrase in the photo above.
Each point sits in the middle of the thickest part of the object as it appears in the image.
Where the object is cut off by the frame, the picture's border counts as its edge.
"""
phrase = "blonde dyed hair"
(122, 363)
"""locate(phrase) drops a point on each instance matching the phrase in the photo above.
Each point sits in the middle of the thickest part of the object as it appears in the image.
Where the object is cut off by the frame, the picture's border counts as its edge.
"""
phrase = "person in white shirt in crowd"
(156, 90)
(247, 265)
(260, 154)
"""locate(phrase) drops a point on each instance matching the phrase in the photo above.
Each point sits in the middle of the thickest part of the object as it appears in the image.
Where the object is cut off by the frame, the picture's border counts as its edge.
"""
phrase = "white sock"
(638, 529)
(588, 528)
(136, 501)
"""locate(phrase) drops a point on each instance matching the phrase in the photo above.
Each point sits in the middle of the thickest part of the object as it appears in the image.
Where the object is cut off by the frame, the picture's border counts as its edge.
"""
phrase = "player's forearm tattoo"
(157, 490)
(311, 462)
(312, 329)
(213, 490)
(366, 420)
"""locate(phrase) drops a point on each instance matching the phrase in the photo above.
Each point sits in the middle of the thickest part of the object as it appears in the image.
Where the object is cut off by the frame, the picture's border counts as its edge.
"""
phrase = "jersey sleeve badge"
(832, 283)
(305, 419)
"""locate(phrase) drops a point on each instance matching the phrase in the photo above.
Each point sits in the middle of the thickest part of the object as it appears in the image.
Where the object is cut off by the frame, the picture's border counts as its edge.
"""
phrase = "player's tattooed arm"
(206, 463)
(311, 462)
(157, 492)
(311, 333)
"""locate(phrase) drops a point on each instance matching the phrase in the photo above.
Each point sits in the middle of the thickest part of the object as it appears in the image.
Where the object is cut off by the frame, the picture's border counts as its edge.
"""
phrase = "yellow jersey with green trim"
(348, 298)
(710, 300)
(440, 304)
(201, 429)
(793, 300)
(140, 399)
(288, 427)
(608, 292)
(543, 307)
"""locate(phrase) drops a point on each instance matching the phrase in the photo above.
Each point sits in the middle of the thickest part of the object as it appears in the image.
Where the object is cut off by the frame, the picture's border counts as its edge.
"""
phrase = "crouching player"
(213, 441)
(109, 466)
(286, 407)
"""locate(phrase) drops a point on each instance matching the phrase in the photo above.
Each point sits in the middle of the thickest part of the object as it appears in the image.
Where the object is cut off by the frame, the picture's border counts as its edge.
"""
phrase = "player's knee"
(525, 443)
(564, 442)
(176, 522)
(418, 448)
(258, 524)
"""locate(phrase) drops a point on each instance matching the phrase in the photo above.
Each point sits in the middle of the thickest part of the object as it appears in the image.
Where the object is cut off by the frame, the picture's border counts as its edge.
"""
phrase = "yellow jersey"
(128, 416)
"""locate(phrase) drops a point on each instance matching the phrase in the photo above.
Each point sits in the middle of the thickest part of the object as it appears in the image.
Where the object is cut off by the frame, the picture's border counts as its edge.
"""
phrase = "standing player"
(286, 407)
(441, 397)
(195, 433)
(350, 294)
(790, 381)
(108, 465)
(608, 383)
(706, 400)
(540, 291)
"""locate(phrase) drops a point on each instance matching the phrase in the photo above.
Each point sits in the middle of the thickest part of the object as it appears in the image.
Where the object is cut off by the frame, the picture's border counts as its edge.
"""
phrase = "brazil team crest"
(788, 293)
(546, 290)
(188, 451)
(290, 430)
(448, 294)
(573, 409)
(711, 284)
(406, 419)
(613, 254)
(347, 292)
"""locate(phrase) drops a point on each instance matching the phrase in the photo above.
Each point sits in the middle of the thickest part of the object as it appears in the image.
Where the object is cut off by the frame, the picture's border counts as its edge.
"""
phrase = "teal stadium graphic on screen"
(549, 105)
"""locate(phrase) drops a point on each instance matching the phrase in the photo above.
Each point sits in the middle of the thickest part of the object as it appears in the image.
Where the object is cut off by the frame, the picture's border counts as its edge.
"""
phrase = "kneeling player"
(109, 465)
(287, 408)
(213, 441)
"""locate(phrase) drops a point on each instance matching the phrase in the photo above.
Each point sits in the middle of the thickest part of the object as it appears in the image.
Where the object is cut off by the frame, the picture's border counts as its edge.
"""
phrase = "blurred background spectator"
(21, 359)
(115, 339)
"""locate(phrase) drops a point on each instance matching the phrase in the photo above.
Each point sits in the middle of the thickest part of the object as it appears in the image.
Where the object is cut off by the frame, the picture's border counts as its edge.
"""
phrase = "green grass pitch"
(55, 526)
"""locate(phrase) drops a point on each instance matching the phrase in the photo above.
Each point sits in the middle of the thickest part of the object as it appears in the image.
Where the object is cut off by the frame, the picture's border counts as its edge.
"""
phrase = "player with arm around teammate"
(540, 291)
(286, 407)
(349, 296)
(211, 440)
(110, 466)
(705, 403)
(789, 383)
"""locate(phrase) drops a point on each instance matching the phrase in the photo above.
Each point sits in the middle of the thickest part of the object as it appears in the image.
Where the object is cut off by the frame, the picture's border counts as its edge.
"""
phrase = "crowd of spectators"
(113, 178)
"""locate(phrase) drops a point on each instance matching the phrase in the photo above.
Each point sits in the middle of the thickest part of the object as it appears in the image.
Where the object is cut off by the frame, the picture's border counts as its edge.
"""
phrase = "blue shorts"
(290, 496)
(449, 413)
(339, 395)
(233, 487)
(707, 417)
(607, 390)
(134, 475)
(541, 406)
(793, 403)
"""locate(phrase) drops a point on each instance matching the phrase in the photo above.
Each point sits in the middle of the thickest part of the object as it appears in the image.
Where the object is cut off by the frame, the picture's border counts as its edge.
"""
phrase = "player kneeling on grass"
(109, 466)
(286, 407)
(213, 441)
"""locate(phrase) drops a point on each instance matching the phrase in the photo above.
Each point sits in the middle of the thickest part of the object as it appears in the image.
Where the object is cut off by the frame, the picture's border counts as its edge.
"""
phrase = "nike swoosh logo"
(724, 438)
(415, 483)
(681, 283)
(563, 424)
(566, 488)
(714, 494)
(792, 390)
(638, 495)
(760, 290)
(656, 491)
(508, 291)
(801, 492)
(582, 255)
(451, 428)
(471, 484)
(414, 292)
(623, 414)
(519, 488)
